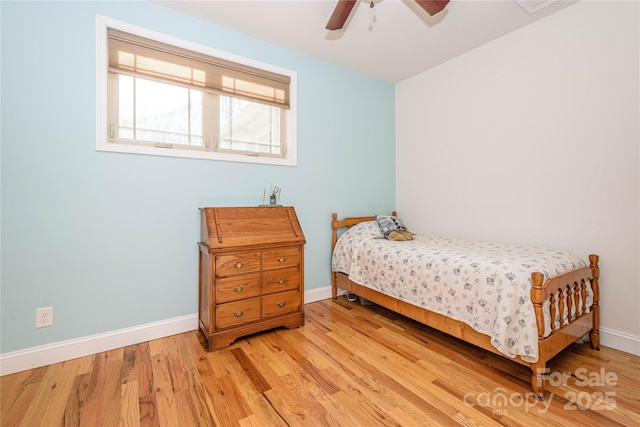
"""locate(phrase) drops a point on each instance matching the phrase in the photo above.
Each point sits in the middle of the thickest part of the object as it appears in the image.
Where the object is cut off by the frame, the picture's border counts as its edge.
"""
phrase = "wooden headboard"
(347, 222)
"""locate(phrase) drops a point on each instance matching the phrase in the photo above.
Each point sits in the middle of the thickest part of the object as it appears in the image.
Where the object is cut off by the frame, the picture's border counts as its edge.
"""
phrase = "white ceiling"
(392, 41)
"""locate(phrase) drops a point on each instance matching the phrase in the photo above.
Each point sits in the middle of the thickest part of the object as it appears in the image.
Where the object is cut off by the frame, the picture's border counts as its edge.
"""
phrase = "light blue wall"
(110, 240)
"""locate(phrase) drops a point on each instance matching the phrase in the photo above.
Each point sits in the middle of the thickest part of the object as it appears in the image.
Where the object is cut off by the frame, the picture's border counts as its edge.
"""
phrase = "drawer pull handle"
(239, 289)
(238, 313)
(281, 281)
(282, 259)
(282, 304)
(238, 265)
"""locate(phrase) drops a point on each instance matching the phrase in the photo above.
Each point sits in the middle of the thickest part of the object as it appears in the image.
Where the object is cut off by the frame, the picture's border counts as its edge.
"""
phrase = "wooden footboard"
(566, 294)
(575, 318)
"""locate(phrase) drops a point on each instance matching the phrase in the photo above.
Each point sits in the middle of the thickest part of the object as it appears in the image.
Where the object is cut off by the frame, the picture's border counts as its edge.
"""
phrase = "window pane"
(158, 112)
(162, 112)
(249, 126)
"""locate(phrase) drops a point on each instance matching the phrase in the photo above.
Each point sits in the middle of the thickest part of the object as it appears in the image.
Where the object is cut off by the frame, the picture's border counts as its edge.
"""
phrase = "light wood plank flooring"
(350, 365)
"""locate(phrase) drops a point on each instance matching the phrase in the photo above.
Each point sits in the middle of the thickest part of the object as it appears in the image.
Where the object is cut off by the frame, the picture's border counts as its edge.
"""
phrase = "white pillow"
(365, 230)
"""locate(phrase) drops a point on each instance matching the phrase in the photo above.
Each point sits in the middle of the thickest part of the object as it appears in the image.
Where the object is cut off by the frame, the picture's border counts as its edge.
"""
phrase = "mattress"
(483, 284)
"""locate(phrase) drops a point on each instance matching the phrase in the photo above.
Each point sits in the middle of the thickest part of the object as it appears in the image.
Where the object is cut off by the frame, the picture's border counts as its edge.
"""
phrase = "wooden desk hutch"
(251, 272)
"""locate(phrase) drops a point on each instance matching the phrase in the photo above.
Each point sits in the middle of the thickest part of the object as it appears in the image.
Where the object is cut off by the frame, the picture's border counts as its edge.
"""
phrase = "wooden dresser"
(251, 272)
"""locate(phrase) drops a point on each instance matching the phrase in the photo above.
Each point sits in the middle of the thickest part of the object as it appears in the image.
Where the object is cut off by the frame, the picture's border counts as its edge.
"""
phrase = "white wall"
(534, 139)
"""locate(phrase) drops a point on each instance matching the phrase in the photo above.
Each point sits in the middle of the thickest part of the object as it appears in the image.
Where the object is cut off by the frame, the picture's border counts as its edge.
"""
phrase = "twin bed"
(524, 303)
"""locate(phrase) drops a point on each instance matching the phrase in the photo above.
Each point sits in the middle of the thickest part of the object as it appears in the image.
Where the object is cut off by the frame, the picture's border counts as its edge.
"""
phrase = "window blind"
(139, 56)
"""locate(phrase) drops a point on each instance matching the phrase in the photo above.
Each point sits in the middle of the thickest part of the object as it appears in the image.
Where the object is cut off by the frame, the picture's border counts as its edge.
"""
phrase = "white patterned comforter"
(485, 285)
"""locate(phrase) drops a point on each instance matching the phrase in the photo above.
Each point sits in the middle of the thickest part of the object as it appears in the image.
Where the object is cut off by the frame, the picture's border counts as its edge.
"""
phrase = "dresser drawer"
(238, 263)
(280, 303)
(281, 258)
(237, 313)
(280, 280)
(237, 287)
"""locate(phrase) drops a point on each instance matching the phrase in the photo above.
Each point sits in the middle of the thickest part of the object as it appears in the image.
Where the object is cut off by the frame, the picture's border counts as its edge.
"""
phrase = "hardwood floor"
(350, 365)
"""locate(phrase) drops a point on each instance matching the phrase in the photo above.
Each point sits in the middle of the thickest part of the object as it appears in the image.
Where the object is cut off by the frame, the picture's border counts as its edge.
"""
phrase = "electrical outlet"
(44, 317)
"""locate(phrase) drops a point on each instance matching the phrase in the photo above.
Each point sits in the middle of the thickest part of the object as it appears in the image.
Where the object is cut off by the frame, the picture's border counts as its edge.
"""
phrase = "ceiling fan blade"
(340, 14)
(432, 6)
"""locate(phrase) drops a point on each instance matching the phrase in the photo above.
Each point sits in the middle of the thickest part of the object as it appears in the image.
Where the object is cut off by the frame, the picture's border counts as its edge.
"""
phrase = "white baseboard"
(47, 354)
(43, 355)
(620, 341)
(317, 294)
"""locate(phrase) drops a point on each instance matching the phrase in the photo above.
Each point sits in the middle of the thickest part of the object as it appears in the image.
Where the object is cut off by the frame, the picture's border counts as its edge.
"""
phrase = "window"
(164, 96)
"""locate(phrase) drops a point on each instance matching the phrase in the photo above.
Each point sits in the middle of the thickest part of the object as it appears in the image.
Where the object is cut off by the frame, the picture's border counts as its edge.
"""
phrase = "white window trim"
(102, 126)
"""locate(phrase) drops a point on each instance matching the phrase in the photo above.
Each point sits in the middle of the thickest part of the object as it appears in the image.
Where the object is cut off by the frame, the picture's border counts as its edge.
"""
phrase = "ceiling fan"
(344, 7)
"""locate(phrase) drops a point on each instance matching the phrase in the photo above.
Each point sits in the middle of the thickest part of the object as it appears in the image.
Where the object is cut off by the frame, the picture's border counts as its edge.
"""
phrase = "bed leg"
(594, 335)
(538, 373)
(334, 288)
(594, 338)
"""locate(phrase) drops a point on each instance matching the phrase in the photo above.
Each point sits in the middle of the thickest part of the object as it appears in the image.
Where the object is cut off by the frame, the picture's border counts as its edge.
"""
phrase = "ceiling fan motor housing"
(344, 7)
